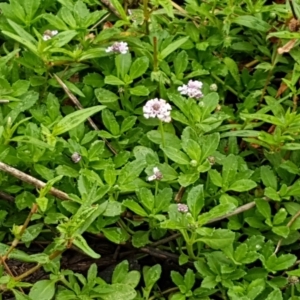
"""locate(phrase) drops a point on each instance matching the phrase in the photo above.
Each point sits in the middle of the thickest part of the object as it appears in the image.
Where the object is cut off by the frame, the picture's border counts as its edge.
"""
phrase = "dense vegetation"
(149, 150)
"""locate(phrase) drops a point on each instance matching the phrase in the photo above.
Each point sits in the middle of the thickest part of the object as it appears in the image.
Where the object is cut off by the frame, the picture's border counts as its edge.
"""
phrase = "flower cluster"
(118, 47)
(192, 89)
(157, 175)
(158, 108)
(48, 34)
(183, 208)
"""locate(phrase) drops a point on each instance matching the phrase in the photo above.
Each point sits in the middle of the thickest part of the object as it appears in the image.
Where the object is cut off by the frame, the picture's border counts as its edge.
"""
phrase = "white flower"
(157, 175)
(192, 89)
(118, 47)
(158, 108)
(183, 208)
(48, 34)
(76, 157)
(213, 87)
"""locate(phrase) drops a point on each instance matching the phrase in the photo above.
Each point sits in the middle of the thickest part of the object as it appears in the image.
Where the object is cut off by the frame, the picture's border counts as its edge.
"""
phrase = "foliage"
(217, 189)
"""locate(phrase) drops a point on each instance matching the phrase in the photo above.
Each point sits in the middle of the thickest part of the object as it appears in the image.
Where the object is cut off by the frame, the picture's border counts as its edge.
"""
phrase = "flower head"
(48, 34)
(183, 208)
(76, 157)
(157, 175)
(192, 89)
(158, 108)
(118, 47)
(213, 87)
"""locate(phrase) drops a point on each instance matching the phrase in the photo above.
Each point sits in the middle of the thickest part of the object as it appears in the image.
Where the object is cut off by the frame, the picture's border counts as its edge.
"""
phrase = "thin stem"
(31, 180)
(155, 54)
(227, 87)
(17, 239)
(292, 291)
(171, 290)
(146, 16)
(163, 141)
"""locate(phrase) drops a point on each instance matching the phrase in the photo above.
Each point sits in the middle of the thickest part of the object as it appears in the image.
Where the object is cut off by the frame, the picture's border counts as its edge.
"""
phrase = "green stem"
(163, 141)
(292, 291)
(227, 87)
(146, 16)
(155, 54)
(156, 187)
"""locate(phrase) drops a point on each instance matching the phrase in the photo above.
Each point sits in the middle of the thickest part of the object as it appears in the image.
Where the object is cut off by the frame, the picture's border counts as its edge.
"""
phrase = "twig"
(239, 210)
(292, 220)
(166, 240)
(111, 7)
(18, 237)
(102, 20)
(4, 101)
(79, 106)
(31, 180)
(168, 291)
(7, 197)
(38, 266)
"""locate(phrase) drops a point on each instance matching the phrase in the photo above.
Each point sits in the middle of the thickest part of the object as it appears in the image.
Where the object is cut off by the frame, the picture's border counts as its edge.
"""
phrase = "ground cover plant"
(149, 150)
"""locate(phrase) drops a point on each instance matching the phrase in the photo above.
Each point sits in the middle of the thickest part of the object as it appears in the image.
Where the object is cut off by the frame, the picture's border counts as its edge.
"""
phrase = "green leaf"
(135, 207)
(81, 243)
(110, 122)
(105, 96)
(272, 194)
(172, 47)
(116, 235)
(176, 155)
(268, 177)
(264, 208)
(195, 200)
(120, 272)
(275, 295)
(282, 262)
(139, 67)
(72, 120)
(123, 63)
(283, 231)
(193, 149)
(128, 123)
(113, 80)
(180, 63)
(252, 22)
(147, 198)
(209, 144)
(242, 185)
(189, 279)
(139, 90)
(116, 4)
(171, 139)
(215, 177)
(229, 172)
(233, 69)
(140, 239)
(221, 238)
(43, 290)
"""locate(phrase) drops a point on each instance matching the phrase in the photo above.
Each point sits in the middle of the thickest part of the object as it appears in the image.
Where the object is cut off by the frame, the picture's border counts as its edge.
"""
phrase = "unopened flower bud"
(211, 160)
(183, 208)
(193, 163)
(76, 157)
(213, 87)
(293, 279)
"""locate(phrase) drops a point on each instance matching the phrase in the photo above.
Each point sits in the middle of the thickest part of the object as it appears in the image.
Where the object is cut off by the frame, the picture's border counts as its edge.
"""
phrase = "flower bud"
(193, 163)
(76, 157)
(183, 208)
(213, 87)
